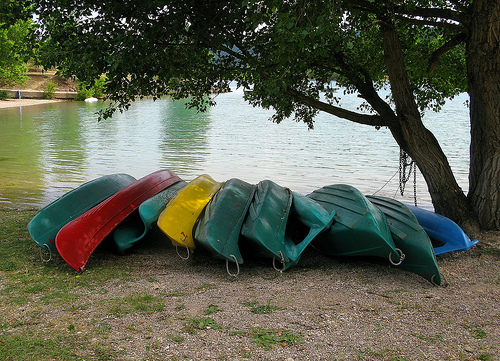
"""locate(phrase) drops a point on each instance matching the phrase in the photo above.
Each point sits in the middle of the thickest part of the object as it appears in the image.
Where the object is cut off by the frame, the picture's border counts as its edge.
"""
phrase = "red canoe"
(77, 240)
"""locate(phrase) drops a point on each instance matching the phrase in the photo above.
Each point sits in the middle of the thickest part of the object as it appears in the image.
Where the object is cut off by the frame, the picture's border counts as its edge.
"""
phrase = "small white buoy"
(91, 99)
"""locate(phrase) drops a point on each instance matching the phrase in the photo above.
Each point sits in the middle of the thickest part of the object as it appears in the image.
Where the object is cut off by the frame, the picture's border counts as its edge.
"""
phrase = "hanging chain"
(406, 167)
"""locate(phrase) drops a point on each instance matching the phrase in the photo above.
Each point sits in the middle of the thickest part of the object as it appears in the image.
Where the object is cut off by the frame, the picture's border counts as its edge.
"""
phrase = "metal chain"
(406, 167)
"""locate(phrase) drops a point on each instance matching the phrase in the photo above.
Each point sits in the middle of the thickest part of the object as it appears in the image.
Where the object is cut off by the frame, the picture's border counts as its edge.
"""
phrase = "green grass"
(261, 309)
(200, 323)
(477, 331)
(134, 303)
(269, 338)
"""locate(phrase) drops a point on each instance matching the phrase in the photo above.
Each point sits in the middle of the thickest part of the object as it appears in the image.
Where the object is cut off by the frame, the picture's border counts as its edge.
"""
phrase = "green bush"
(50, 90)
(82, 92)
(4, 95)
(96, 90)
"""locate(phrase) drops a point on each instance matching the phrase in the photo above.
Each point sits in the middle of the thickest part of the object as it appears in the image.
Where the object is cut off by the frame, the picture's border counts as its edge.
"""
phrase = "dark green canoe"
(281, 223)
(359, 228)
(410, 237)
(219, 225)
(49, 220)
(136, 226)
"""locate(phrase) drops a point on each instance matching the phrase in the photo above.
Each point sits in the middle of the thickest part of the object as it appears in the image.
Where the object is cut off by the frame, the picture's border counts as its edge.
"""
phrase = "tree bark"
(483, 73)
(412, 136)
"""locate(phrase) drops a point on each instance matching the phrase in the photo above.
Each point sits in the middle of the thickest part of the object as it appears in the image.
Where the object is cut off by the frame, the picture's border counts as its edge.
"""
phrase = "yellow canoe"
(178, 218)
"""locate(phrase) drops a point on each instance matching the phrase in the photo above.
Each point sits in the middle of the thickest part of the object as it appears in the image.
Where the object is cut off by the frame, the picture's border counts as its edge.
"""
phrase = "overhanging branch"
(373, 120)
(453, 42)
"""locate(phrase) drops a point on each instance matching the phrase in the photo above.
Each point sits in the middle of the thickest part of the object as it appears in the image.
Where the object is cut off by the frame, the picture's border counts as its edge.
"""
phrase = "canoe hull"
(137, 225)
(49, 220)
(219, 226)
(178, 218)
(280, 224)
(410, 237)
(78, 239)
(442, 230)
(359, 228)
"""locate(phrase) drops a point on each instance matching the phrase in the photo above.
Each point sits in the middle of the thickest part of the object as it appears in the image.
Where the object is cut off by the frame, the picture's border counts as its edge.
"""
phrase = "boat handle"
(188, 252)
(282, 262)
(401, 257)
(237, 266)
(41, 254)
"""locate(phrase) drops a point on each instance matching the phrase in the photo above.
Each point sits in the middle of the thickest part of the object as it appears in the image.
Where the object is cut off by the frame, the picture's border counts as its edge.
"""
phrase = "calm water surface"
(47, 150)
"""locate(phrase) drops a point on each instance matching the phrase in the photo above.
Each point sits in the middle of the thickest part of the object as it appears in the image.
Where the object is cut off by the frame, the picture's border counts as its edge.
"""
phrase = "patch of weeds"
(211, 309)
(262, 309)
(143, 303)
(200, 323)
(477, 331)
(269, 338)
(206, 286)
(177, 338)
(428, 339)
(173, 294)
(180, 307)
(485, 357)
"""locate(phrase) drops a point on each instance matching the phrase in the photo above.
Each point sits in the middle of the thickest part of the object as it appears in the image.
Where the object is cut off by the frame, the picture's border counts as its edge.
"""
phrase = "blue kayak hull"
(448, 234)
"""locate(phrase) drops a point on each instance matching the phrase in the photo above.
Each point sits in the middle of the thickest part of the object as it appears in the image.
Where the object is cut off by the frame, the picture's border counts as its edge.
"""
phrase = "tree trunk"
(412, 136)
(483, 73)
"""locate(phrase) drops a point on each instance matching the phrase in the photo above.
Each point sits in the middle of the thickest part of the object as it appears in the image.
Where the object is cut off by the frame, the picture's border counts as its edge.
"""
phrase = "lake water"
(47, 150)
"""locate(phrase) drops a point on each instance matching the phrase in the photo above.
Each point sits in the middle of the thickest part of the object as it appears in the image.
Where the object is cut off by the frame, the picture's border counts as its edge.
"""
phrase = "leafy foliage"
(188, 49)
(13, 53)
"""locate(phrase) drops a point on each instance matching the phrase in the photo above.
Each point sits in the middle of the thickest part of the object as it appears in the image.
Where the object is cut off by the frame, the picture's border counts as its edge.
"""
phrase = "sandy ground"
(12, 103)
(323, 309)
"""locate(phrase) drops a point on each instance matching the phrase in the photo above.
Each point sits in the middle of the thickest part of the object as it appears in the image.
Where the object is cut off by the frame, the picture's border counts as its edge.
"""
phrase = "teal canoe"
(49, 220)
(410, 237)
(359, 228)
(137, 225)
(281, 223)
(219, 225)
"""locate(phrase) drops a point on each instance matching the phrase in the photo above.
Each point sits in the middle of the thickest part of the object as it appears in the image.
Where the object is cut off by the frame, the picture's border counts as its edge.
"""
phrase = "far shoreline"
(14, 103)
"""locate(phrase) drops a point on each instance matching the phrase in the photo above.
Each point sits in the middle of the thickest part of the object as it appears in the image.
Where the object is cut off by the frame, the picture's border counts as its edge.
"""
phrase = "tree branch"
(373, 120)
(453, 42)
(440, 24)
(437, 13)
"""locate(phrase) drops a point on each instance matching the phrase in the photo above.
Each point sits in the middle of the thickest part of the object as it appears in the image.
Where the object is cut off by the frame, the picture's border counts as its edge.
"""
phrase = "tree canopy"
(15, 30)
(289, 52)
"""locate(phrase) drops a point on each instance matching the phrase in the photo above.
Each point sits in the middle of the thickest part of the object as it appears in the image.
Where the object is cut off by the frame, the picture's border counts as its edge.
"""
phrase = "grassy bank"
(152, 305)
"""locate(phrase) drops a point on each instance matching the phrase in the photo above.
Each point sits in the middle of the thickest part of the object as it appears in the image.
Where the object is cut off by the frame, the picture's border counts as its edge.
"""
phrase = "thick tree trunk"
(410, 133)
(483, 72)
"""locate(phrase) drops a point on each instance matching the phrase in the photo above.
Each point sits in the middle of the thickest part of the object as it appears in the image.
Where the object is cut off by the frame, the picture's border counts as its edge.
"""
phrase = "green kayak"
(135, 227)
(409, 236)
(49, 220)
(359, 228)
(281, 223)
(219, 225)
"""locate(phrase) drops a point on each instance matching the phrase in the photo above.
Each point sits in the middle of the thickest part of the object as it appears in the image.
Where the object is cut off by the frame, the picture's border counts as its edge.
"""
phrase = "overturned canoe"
(49, 220)
(410, 237)
(219, 225)
(446, 234)
(281, 223)
(178, 218)
(359, 228)
(79, 238)
(136, 226)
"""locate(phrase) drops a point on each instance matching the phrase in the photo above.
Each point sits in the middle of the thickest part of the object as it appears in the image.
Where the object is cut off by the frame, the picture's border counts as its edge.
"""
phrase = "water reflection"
(47, 150)
(183, 138)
